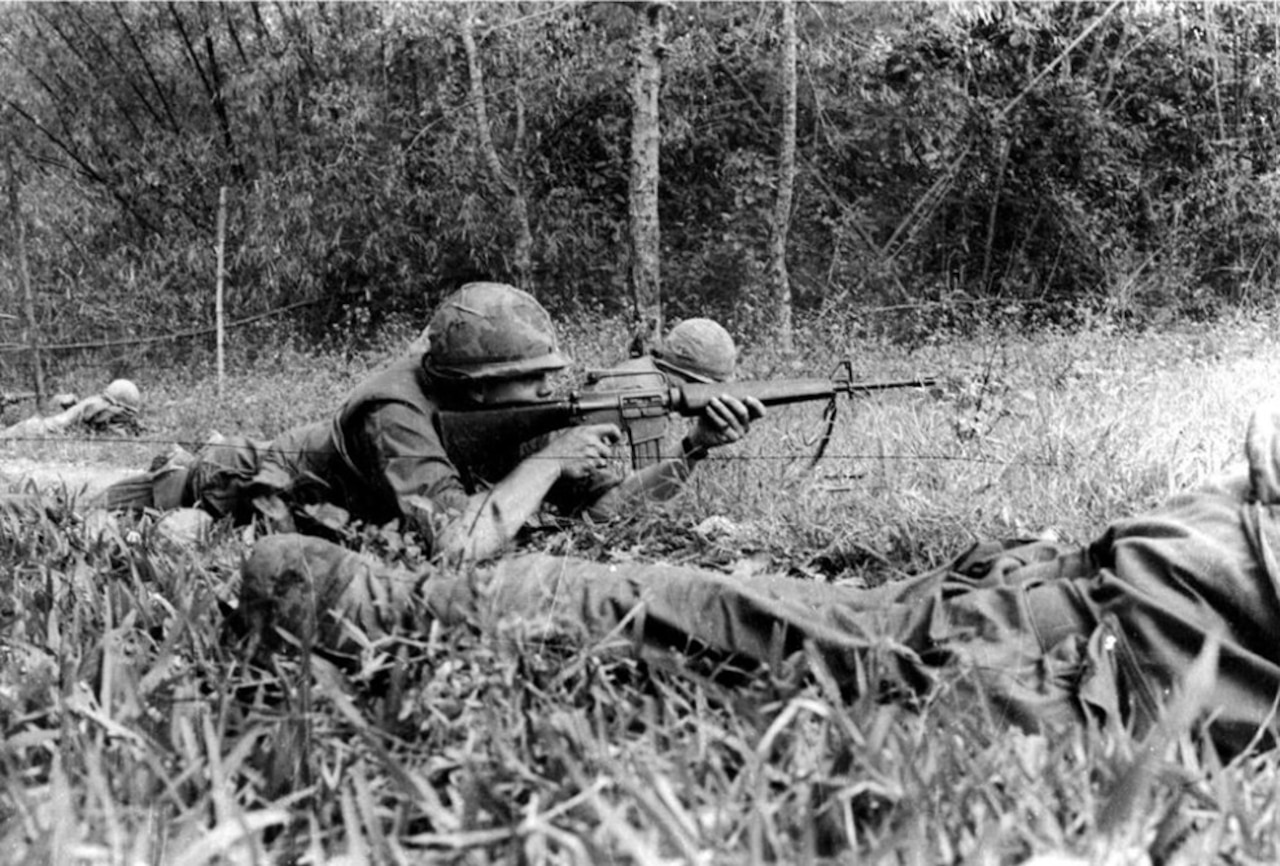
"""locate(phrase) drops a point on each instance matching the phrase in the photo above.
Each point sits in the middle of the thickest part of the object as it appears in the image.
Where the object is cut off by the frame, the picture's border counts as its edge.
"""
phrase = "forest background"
(1026, 163)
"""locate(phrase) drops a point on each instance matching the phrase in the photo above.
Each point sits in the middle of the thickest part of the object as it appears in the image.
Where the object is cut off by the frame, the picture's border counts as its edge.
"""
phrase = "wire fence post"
(24, 276)
(222, 242)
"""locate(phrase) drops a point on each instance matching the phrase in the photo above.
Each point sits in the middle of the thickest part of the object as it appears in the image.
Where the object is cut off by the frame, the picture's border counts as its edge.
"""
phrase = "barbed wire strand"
(263, 445)
(15, 348)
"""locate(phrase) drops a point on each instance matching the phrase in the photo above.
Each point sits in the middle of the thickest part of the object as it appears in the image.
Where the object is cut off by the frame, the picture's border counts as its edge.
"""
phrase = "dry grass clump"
(1023, 435)
(137, 728)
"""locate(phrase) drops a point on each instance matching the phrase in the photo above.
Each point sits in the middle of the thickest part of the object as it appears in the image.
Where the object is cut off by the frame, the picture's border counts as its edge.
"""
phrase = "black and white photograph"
(651, 433)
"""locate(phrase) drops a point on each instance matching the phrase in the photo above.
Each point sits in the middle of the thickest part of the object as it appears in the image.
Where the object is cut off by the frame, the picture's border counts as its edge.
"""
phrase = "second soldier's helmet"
(699, 349)
(491, 331)
(122, 392)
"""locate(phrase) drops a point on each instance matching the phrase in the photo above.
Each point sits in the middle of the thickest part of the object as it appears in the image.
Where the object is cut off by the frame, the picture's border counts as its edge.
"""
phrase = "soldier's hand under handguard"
(582, 450)
(726, 419)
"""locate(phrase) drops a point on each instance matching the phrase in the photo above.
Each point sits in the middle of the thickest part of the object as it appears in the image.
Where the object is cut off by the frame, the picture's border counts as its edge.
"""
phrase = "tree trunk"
(989, 247)
(779, 226)
(522, 262)
(24, 278)
(646, 258)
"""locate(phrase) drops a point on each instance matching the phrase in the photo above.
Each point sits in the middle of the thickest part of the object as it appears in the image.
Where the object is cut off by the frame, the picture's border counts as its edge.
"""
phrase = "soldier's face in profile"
(522, 390)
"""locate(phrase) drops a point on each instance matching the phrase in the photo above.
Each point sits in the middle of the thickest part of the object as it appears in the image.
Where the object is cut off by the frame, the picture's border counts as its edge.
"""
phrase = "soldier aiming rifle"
(382, 458)
(442, 440)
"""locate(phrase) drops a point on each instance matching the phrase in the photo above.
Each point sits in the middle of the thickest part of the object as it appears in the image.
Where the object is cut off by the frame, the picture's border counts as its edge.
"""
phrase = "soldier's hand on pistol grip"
(582, 450)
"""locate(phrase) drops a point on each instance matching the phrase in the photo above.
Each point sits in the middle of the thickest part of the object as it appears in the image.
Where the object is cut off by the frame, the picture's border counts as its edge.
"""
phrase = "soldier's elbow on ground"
(466, 541)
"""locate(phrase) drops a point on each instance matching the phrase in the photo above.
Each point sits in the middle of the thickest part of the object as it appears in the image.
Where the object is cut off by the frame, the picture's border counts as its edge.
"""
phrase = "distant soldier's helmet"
(491, 331)
(124, 393)
(699, 349)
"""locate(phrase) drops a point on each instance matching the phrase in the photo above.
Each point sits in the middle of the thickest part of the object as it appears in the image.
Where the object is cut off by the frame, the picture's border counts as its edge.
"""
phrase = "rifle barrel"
(693, 399)
(860, 387)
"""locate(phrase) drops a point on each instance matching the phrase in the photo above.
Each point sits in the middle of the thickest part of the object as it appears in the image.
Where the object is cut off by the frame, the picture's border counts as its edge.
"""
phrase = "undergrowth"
(137, 728)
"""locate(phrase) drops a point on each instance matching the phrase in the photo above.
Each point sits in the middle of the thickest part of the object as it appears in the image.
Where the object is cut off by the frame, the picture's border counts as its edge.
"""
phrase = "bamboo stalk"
(222, 244)
(24, 276)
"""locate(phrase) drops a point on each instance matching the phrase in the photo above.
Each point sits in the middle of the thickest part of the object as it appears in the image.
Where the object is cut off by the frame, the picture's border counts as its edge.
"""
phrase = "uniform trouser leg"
(318, 591)
(160, 488)
(1028, 649)
(1025, 647)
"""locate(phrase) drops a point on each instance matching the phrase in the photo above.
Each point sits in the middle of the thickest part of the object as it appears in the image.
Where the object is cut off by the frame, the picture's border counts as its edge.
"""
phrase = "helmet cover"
(124, 393)
(700, 349)
(491, 331)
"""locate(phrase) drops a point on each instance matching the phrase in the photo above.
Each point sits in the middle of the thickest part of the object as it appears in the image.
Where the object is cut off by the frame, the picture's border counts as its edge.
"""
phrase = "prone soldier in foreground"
(1047, 634)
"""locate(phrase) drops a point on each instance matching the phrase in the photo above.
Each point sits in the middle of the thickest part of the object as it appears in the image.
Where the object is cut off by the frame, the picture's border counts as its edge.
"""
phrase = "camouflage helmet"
(122, 392)
(699, 349)
(491, 331)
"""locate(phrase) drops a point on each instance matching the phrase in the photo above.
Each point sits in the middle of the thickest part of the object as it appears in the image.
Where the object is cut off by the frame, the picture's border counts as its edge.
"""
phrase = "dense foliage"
(1048, 159)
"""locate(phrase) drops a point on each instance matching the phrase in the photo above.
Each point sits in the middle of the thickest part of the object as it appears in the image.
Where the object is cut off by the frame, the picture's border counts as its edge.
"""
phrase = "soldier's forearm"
(493, 517)
(658, 482)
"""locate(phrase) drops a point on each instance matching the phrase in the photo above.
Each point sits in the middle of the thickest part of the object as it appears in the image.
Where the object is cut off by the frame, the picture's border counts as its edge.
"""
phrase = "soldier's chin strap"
(842, 372)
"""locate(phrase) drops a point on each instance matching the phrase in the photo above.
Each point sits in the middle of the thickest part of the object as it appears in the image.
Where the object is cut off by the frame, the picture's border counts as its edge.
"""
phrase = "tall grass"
(136, 729)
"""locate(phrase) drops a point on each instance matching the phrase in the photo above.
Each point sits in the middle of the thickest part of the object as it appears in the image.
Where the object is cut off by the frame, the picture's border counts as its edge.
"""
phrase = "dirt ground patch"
(81, 479)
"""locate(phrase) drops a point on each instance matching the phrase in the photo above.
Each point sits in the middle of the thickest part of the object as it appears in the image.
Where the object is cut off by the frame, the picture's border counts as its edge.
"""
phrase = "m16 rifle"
(479, 431)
